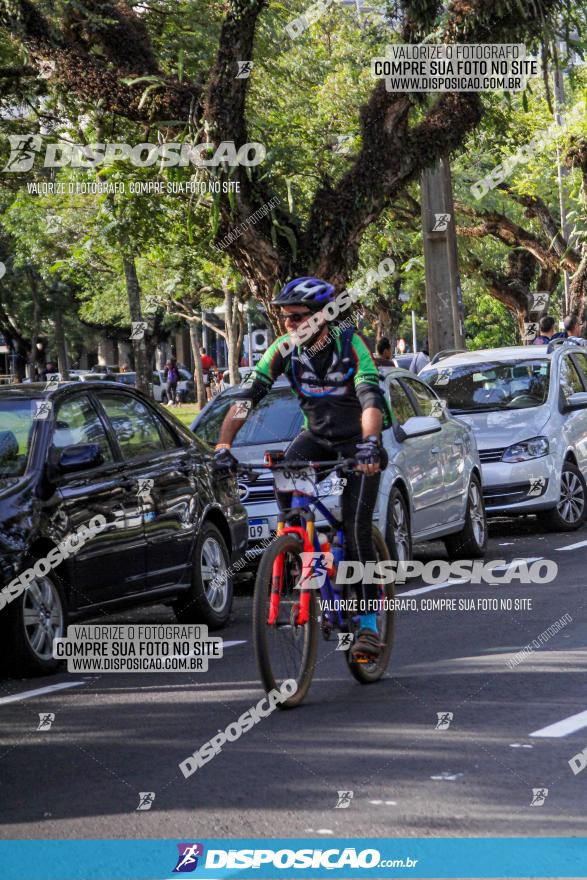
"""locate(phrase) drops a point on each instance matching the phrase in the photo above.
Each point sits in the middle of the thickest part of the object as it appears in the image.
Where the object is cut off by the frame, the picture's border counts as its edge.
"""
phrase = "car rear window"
(277, 418)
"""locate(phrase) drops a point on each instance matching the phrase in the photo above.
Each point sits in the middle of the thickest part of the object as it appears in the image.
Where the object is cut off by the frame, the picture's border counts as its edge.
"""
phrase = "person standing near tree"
(172, 378)
(208, 365)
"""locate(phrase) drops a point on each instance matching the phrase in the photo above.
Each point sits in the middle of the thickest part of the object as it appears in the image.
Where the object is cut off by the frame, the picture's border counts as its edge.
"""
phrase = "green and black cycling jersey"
(334, 385)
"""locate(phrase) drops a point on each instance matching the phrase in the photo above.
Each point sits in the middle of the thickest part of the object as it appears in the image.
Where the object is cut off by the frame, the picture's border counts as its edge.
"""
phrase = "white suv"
(528, 409)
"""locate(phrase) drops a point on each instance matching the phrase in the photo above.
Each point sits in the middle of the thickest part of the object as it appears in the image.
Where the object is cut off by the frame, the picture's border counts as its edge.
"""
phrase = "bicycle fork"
(307, 537)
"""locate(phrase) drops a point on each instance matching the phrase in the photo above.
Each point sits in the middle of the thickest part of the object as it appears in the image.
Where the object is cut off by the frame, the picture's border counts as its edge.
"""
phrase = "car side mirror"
(80, 458)
(578, 400)
(417, 426)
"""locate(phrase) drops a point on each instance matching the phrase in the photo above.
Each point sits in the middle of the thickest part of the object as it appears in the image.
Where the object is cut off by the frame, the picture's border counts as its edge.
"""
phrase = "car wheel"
(471, 542)
(571, 508)
(209, 600)
(28, 626)
(398, 535)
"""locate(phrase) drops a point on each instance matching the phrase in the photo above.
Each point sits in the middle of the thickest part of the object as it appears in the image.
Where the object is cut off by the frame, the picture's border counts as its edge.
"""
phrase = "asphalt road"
(116, 735)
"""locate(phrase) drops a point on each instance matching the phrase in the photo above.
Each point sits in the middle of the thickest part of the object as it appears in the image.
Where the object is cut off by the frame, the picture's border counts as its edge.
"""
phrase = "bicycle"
(286, 615)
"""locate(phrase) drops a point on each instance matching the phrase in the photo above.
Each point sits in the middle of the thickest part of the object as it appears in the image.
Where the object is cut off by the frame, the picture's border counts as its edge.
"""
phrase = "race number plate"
(295, 481)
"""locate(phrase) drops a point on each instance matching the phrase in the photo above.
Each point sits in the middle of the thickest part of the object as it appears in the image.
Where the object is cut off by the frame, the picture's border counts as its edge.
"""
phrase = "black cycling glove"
(224, 462)
(368, 451)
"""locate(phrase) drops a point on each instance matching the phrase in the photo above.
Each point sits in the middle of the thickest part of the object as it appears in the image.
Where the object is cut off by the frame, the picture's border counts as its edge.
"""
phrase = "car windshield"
(277, 418)
(495, 385)
(16, 428)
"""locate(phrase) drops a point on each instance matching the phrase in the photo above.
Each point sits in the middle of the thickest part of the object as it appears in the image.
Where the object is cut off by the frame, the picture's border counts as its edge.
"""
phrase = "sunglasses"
(296, 317)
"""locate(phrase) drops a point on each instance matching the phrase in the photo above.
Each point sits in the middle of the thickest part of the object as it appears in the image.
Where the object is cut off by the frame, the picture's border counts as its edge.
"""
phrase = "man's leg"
(358, 506)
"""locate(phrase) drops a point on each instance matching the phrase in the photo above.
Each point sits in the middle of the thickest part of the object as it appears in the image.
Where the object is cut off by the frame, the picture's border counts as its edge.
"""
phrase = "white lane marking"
(505, 567)
(26, 695)
(447, 776)
(564, 727)
(571, 546)
(230, 644)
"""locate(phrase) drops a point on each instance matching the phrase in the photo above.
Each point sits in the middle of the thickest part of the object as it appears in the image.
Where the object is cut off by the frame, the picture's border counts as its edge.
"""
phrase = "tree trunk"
(231, 321)
(30, 369)
(198, 372)
(133, 291)
(62, 361)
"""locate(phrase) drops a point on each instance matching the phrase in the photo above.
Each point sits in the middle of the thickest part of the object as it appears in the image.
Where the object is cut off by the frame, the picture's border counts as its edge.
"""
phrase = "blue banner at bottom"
(376, 858)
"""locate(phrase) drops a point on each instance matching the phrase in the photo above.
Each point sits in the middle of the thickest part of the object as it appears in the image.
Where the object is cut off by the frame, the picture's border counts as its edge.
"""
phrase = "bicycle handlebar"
(298, 465)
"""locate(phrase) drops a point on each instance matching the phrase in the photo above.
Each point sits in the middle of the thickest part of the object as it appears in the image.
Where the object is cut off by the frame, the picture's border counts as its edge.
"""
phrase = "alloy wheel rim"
(213, 567)
(572, 498)
(476, 514)
(43, 617)
(400, 531)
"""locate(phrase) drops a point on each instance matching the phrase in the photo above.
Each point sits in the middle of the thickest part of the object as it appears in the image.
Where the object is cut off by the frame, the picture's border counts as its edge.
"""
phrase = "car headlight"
(536, 447)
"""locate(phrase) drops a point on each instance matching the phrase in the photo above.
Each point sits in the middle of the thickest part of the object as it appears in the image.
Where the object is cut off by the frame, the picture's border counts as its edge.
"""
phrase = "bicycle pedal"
(364, 658)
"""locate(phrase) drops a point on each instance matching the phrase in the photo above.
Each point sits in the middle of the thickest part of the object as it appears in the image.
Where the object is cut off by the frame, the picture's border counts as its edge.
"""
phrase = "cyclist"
(337, 384)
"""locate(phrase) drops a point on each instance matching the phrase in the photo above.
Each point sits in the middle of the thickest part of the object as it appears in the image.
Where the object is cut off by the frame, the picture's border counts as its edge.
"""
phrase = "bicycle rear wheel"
(283, 649)
(367, 673)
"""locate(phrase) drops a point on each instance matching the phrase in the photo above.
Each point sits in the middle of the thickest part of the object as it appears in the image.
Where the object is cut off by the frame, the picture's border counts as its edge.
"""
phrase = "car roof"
(38, 390)
(485, 355)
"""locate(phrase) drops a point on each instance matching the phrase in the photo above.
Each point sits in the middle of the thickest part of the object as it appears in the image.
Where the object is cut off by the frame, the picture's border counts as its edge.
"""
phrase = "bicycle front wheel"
(284, 649)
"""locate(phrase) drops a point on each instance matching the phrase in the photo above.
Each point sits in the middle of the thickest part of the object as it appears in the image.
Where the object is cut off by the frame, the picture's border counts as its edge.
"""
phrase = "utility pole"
(562, 171)
(444, 298)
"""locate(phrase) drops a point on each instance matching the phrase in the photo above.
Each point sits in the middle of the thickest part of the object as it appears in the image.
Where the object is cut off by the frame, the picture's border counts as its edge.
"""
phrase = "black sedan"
(161, 528)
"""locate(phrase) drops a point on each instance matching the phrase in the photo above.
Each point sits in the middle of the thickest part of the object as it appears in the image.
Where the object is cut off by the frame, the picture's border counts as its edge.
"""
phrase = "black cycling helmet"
(310, 292)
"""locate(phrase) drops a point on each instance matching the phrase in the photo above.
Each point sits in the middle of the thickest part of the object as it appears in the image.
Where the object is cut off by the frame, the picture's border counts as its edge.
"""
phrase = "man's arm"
(266, 372)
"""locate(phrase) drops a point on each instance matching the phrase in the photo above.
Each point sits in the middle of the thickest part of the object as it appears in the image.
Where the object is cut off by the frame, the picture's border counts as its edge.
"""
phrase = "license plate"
(258, 528)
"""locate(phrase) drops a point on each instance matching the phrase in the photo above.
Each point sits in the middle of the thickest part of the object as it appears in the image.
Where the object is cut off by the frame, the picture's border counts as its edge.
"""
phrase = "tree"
(103, 54)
